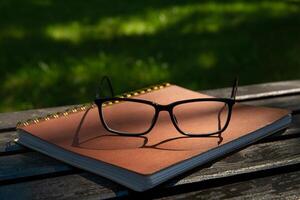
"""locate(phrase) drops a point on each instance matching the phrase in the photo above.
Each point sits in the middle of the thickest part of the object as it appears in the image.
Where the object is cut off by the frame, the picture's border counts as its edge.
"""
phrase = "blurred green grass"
(55, 52)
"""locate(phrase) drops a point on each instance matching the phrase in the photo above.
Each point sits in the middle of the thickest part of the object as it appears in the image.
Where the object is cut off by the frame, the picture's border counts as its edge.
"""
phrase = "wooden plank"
(280, 186)
(9, 120)
(287, 102)
(85, 186)
(259, 157)
(294, 127)
(77, 186)
(29, 164)
(257, 91)
(7, 144)
(292, 131)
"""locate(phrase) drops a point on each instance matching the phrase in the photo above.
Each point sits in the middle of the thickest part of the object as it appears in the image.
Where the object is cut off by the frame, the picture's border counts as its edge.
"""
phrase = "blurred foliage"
(55, 52)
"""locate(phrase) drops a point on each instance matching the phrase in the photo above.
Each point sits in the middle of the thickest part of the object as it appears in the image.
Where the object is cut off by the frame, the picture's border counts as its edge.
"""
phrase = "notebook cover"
(163, 147)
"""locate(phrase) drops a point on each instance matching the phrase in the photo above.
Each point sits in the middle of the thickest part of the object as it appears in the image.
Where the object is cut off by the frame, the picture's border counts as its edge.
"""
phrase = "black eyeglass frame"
(169, 108)
(158, 108)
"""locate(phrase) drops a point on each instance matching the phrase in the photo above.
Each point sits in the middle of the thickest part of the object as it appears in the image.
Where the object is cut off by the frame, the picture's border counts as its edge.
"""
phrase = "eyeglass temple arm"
(233, 95)
(99, 89)
(234, 88)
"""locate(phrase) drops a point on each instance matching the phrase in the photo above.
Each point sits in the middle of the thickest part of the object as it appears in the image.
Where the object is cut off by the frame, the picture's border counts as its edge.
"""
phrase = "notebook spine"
(84, 107)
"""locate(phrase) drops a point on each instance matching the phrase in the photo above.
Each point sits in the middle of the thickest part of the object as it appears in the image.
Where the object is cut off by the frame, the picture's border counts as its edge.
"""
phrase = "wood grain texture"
(288, 102)
(8, 121)
(255, 158)
(281, 186)
(77, 186)
(294, 126)
(7, 144)
(259, 157)
(28, 165)
(256, 91)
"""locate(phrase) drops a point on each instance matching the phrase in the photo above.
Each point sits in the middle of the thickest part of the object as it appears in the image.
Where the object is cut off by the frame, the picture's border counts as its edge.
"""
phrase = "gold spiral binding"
(84, 107)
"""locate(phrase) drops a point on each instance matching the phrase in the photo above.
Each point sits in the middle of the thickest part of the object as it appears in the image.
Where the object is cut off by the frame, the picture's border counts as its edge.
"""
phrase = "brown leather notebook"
(143, 162)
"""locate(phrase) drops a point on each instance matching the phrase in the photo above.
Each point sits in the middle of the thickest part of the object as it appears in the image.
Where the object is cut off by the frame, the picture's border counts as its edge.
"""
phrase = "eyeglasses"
(193, 117)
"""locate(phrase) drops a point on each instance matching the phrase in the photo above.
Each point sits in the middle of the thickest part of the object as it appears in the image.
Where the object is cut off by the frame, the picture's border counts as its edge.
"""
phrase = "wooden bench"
(267, 169)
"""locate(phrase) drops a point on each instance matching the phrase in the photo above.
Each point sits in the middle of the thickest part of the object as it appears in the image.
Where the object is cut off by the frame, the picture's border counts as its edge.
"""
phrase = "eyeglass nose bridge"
(163, 107)
(167, 108)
